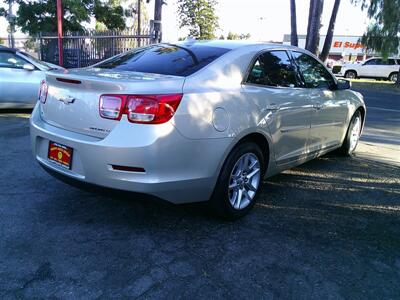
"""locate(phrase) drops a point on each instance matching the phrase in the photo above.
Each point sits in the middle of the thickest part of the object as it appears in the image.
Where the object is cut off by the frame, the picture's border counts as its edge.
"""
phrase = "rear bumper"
(177, 169)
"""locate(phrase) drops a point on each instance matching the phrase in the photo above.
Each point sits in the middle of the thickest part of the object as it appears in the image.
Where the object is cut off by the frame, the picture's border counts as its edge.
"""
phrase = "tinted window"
(389, 62)
(10, 60)
(273, 69)
(371, 62)
(178, 60)
(314, 73)
(381, 62)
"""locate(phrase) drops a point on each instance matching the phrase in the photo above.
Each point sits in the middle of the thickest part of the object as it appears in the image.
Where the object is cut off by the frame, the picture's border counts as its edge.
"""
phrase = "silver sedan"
(195, 121)
(20, 77)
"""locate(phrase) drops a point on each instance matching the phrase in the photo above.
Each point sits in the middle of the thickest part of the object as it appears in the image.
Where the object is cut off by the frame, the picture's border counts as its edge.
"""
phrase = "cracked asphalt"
(329, 229)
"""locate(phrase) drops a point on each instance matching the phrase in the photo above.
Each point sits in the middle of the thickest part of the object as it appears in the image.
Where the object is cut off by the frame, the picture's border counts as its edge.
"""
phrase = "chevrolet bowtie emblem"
(67, 100)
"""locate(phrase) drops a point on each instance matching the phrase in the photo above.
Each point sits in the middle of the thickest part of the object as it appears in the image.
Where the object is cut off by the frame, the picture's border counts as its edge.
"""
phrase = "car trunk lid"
(73, 96)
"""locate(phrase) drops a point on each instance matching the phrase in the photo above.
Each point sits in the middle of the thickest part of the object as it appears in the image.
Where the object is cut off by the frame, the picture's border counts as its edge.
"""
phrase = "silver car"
(195, 121)
(20, 77)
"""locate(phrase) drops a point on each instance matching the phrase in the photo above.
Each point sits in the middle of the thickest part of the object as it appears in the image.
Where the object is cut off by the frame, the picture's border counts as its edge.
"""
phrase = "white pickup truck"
(372, 68)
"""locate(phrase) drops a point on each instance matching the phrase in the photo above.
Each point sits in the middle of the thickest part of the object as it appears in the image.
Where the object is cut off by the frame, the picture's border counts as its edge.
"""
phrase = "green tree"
(232, 36)
(199, 17)
(41, 16)
(383, 35)
(235, 36)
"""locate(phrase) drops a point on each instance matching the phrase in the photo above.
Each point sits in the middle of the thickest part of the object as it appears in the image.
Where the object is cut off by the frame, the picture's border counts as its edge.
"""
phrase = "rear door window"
(273, 68)
(371, 62)
(166, 59)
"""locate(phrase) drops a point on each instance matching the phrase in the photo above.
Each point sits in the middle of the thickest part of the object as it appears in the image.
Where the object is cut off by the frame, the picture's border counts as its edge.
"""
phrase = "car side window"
(273, 68)
(371, 62)
(10, 60)
(314, 73)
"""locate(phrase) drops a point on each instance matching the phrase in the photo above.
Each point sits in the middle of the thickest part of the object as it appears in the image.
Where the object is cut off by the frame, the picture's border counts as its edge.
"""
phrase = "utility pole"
(59, 32)
(11, 19)
(139, 20)
(157, 20)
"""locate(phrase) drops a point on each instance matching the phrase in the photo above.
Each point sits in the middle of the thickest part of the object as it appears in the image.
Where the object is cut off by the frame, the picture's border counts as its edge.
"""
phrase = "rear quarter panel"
(214, 105)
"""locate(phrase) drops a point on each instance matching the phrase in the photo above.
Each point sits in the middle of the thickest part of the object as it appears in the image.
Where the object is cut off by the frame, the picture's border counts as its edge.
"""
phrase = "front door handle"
(317, 106)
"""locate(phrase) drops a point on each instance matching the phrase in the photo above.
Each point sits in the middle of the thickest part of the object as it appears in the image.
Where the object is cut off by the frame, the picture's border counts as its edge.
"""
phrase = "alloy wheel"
(244, 181)
(350, 75)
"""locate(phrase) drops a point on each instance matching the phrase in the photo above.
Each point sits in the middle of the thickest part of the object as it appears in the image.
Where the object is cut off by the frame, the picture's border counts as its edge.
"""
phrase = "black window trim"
(253, 61)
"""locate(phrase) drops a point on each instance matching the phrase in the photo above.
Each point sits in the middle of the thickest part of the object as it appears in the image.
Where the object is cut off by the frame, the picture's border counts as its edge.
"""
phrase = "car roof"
(231, 44)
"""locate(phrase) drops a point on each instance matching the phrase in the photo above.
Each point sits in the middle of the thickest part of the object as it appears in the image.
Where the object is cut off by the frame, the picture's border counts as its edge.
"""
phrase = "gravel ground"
(329, 229)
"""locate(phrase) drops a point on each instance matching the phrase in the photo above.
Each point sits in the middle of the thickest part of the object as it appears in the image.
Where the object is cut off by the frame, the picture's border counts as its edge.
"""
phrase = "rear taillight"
(144, 109)
(110, 107)
(43, 91)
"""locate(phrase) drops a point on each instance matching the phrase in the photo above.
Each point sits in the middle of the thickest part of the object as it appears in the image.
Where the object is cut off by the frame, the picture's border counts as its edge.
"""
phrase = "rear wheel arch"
(255, 137)
(260, 140)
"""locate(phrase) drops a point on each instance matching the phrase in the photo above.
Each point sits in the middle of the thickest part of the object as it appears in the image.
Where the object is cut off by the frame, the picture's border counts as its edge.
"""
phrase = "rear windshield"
(166, 59)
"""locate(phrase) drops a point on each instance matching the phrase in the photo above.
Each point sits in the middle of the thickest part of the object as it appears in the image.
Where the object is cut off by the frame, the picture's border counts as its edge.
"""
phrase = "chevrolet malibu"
(194, 121)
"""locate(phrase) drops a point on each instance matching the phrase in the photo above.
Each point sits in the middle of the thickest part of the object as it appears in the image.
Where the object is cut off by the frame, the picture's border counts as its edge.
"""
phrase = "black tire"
(351, 74)
(347, 149)
(393, 76)
(220, 203)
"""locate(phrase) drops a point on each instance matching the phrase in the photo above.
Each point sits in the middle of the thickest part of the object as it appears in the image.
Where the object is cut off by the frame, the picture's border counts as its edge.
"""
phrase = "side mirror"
(343, 84)
(28, 67)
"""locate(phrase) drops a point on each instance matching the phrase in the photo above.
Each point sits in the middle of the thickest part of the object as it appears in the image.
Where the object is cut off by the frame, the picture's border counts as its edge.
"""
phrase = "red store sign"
(341, 44)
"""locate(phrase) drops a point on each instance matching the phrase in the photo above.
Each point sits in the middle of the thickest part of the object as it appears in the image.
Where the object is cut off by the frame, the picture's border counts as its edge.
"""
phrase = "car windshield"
(166, 59)
(37, 61)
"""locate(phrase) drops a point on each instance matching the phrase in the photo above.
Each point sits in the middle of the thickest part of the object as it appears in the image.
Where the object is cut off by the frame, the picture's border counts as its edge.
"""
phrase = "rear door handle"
(273, 107)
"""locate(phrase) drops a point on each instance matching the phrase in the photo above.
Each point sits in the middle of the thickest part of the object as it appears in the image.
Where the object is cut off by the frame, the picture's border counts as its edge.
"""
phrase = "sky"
(265, 20)
(269, 20)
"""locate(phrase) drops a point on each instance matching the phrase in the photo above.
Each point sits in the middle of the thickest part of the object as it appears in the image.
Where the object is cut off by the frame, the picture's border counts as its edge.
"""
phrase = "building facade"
(343, 48)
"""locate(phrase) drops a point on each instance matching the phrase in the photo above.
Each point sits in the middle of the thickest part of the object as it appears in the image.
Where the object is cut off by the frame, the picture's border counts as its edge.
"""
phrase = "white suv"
(372, 68)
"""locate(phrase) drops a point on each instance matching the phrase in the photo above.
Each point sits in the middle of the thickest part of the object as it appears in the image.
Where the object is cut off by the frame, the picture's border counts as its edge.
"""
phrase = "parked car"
(20, 77)
(377, 68)
(195, 121)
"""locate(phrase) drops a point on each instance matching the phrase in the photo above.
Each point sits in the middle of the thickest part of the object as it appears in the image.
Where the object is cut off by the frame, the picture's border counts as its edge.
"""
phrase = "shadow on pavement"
(327, 229)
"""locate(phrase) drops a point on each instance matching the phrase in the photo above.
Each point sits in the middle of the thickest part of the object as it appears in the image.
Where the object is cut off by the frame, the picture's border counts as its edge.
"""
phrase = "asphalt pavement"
(329, 229)
(383, 117)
